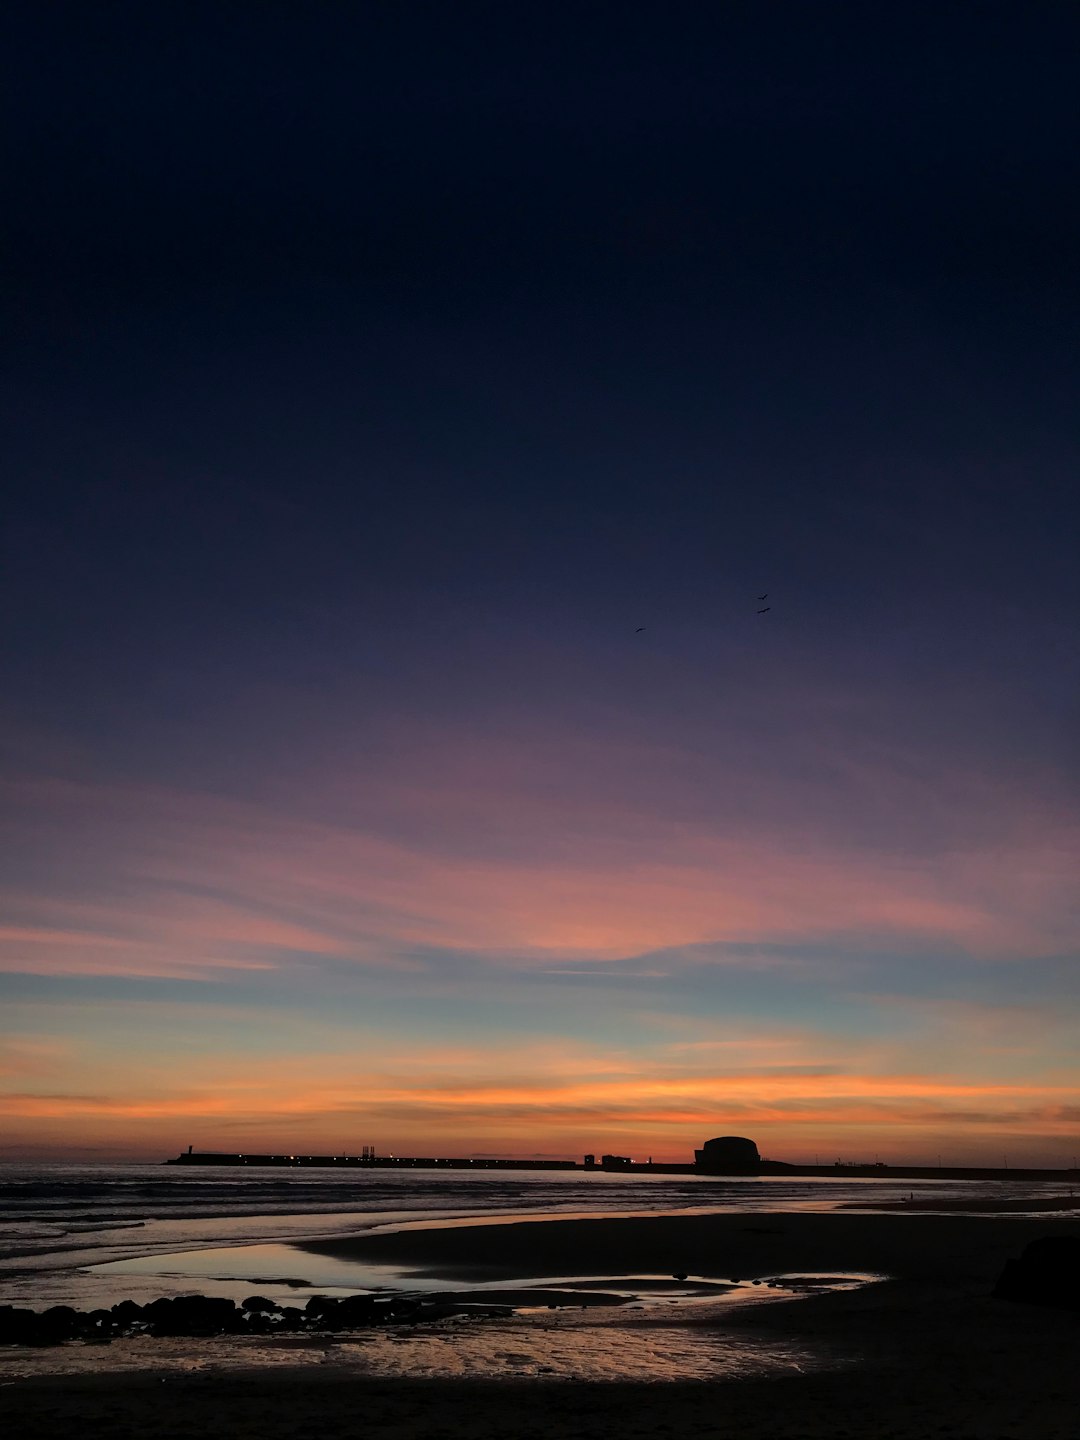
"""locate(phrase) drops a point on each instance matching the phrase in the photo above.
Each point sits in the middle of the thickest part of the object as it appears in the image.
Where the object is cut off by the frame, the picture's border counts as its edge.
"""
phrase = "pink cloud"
(526, 866)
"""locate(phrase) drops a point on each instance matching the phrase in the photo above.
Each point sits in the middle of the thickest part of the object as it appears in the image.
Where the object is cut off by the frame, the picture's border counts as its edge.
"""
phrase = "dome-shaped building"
(728, 1155)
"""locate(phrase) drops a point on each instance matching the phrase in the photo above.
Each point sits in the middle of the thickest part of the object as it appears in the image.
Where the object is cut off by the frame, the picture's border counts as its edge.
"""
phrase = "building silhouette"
(728, 1155)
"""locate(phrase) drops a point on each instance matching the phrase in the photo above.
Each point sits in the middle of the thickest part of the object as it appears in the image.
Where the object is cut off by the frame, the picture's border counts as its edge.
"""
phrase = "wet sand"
(988, 1206)
(926, 1353)
(949, 1250)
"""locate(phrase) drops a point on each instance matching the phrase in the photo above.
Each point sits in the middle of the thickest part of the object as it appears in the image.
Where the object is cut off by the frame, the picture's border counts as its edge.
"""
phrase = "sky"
(407, 406)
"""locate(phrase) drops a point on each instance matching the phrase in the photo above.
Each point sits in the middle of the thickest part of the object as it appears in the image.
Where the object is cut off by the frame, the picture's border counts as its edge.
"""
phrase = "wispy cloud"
(144, 879)
(674, 1095)
(358, 940)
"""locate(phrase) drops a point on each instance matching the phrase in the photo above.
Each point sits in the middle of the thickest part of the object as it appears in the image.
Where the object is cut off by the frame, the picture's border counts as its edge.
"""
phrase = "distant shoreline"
(767, 1169)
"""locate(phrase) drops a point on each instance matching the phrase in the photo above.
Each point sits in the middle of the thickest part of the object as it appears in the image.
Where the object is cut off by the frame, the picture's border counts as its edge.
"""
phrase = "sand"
(925, 1353)
(952, 1250)
(988, 1206)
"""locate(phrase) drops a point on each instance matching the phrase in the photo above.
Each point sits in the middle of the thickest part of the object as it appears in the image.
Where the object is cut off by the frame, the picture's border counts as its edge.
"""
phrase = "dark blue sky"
(373, 371)
(377, 326)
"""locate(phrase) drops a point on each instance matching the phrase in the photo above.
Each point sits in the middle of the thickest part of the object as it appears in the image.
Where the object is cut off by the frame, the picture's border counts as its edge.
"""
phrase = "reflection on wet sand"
(594, 1343)
(585, 1327)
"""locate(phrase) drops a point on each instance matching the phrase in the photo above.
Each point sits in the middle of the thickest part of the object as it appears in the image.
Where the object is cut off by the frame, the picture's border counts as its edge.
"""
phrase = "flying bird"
(765, 610)
(639, 629)
(764, 597)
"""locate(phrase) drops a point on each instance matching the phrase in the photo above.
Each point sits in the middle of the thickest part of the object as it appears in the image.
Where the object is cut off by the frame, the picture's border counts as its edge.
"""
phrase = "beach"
(923, 1352)
(953, 1250)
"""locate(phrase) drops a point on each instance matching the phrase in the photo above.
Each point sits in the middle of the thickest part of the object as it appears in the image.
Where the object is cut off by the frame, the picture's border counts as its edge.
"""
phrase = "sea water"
(91, 1235)
(64, 1227)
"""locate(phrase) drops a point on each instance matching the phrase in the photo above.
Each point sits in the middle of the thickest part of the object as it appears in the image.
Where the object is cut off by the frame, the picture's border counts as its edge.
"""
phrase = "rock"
(320, 1313)
(291, 1318)
(434, 1310)
(1047, 1273)
(126, 1313)
(403, 1306)
(16, 1325)
(356, 1310)
(58, 1323)
(193, 1315)
(259, 1305)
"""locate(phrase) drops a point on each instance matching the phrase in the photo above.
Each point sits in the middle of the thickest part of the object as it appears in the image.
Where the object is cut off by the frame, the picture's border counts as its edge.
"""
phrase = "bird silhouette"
(639, 629)
(764, 597)
(765, 610)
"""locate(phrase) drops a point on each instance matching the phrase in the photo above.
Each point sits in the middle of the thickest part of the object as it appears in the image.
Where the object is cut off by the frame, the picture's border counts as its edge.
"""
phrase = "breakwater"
(370, 1162)
(767, 1168)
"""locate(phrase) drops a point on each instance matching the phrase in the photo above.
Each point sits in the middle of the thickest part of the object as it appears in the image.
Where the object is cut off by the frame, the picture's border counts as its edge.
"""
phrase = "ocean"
(87, 1235)
(92, 1235)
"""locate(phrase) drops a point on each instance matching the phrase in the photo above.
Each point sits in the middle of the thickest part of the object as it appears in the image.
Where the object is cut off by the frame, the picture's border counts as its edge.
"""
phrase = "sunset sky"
(372, 373)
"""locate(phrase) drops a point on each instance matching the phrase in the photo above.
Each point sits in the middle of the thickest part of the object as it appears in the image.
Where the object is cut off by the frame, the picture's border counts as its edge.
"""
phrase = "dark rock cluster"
(1047, 1273)
(198, 1315)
